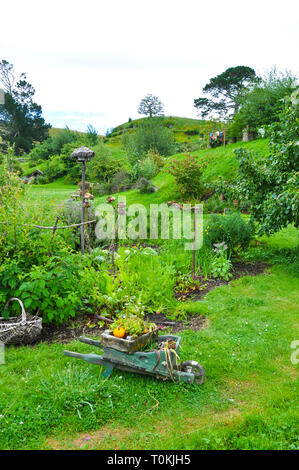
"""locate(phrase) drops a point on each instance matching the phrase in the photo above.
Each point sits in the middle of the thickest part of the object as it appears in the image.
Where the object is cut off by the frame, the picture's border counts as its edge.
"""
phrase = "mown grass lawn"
(249, 399)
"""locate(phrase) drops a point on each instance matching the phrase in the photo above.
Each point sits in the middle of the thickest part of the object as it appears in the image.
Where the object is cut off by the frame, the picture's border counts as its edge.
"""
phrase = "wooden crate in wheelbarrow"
(160, 361)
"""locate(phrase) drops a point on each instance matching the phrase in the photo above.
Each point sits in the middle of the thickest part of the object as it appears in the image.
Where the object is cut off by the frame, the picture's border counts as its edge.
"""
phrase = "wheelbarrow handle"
(92, 358)
(73, 354)
(93, 342)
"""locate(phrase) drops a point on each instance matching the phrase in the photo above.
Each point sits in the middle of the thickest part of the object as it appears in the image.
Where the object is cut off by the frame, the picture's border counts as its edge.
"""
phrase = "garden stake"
(194, 245)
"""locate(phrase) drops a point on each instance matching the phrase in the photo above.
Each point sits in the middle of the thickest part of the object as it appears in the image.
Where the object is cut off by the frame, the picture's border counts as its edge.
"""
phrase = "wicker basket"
(26, 330)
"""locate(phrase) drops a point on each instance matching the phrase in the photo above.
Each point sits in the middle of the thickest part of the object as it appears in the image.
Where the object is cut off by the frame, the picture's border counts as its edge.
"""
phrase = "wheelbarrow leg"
(108, 370)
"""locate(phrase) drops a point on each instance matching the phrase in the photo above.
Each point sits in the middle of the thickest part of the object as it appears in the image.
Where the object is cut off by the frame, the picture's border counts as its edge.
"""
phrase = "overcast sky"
(93, 61)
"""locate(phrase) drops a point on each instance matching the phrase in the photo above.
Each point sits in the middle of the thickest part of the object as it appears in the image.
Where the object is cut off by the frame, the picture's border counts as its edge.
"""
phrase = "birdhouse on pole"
(83, 155)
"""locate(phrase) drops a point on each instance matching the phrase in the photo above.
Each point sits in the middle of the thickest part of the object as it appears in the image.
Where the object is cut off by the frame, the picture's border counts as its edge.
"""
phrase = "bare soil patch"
(204, 286)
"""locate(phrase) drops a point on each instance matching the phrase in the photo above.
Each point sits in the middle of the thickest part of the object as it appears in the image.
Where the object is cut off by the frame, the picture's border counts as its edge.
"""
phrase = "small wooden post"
(224, 138)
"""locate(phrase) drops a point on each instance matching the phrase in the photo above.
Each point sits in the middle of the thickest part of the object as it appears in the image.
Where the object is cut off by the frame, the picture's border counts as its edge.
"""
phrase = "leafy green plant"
(220, 265)
(270, 183)
(133, 326)
(231, 229)
(150, 135)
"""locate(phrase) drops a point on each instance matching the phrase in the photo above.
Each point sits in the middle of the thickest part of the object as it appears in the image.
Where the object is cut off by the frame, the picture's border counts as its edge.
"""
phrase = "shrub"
(121, 181)
(148, 168)
(54, 168)
(57, 289)
(214, 204)
(270, 183)
(149, 135)
(53, 145)
(103, 166)
(187, 175)
(145, 186)
(192, 132)
(156, 158)
(230, 229)
(220, 265)
(71, 214)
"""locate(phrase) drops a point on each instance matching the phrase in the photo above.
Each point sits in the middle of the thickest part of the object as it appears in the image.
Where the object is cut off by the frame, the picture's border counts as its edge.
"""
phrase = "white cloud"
(103, 57)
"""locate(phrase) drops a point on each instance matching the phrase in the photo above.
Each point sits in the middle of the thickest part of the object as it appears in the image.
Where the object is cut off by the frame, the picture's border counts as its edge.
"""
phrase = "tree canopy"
(226, 91)
(271, 183)
(262, 104)
(21, 121)
(151, 106)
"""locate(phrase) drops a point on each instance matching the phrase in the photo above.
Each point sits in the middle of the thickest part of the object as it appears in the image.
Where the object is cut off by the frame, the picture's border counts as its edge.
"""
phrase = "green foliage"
(226, 90)
(221, 266)
(133, 325)
(21, 121)
(146, 168)
(92, 135)
(150, 106)
(188, 173)
(70, 213)
(214, 205)
(9, 162)
(230, 229)
(56, 288)
(103, 166)
(145, 186)
(150, 135)
(11, 210)
(54, 145)
(270, 183)
(121, 181)
(54, 168)
(262, 105)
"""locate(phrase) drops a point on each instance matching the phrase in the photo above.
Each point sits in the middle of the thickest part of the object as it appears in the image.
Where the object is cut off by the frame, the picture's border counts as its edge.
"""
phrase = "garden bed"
(71, 332)
(202, 286)
(88, 326)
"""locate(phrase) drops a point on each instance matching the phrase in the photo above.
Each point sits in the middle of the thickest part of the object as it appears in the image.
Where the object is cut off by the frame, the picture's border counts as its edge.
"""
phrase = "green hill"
(222, 163)
(185, 130)
(222, 160)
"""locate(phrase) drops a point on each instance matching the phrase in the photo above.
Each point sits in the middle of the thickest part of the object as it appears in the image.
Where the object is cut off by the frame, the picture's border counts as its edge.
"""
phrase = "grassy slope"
(223, 163)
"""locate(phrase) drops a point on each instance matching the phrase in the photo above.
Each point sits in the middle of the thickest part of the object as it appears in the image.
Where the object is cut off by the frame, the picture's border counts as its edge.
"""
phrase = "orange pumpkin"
(119, 332)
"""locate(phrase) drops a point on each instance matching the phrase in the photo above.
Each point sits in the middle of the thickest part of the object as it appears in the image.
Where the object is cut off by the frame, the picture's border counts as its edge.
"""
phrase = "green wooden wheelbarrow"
(159, 363)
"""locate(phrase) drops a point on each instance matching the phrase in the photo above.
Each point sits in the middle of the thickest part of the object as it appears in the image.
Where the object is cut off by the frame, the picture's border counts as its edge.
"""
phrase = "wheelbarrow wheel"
(195, 368)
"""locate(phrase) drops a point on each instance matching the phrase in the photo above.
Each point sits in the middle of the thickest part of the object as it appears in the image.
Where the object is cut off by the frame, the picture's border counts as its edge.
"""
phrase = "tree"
(271, 184)
(151, 106)
(21, 121)
(262, 105)
(226, 91)
(92, 135)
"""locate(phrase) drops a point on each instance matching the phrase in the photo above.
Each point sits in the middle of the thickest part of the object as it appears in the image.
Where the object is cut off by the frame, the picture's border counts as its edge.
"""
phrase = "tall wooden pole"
(82, 207)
